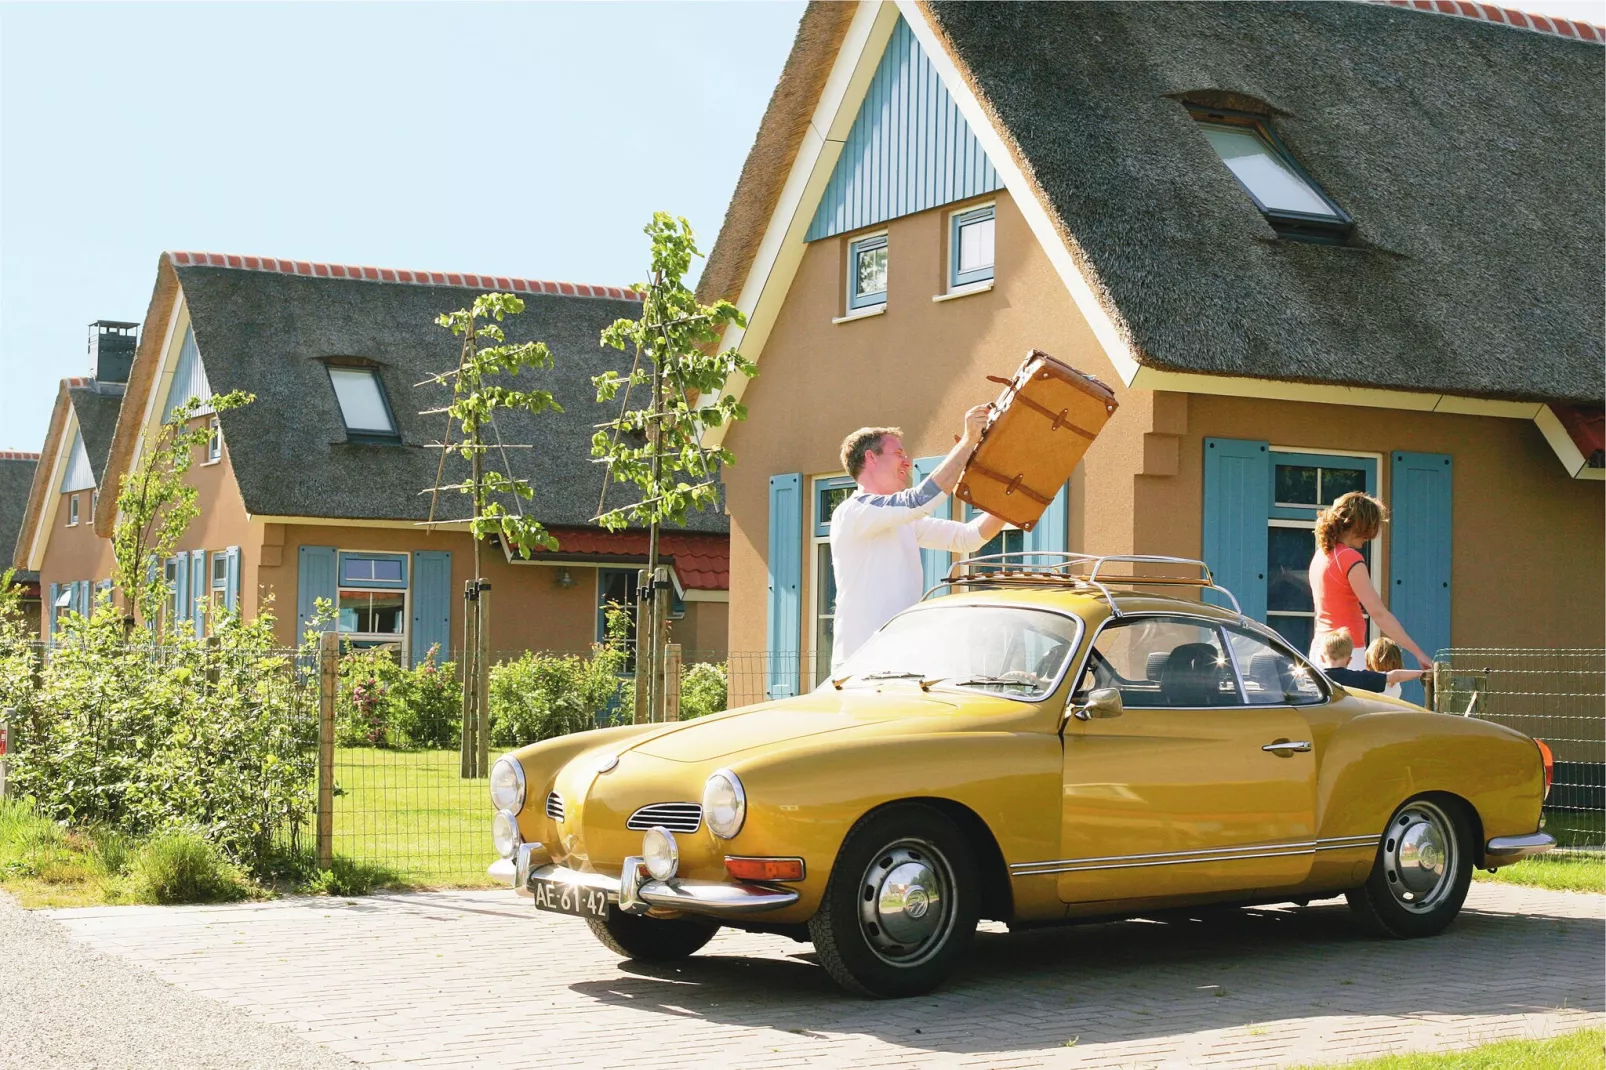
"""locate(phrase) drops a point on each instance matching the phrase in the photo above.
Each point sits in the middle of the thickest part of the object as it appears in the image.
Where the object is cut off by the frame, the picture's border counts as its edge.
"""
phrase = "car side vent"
(554, 806)
(676, 817)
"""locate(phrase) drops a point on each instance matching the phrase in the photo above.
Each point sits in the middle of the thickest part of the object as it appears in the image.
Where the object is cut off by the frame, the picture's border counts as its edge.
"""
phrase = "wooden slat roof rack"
(1081, 572)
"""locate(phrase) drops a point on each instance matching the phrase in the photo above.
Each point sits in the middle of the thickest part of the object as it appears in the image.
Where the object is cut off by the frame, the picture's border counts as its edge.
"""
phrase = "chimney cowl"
(111, 350)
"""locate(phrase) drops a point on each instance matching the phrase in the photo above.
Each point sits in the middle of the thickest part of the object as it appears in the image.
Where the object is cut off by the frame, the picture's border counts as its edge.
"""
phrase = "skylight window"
(362, 402)
(1292, 202)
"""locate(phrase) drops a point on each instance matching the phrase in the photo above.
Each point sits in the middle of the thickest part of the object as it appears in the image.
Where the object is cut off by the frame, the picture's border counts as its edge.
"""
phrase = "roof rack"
(1083, 572)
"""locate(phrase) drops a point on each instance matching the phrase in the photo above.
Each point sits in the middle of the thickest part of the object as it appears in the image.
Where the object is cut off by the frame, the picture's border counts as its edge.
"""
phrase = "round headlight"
(505, 833)
(507, 785)
(724, 804)
(659, 852)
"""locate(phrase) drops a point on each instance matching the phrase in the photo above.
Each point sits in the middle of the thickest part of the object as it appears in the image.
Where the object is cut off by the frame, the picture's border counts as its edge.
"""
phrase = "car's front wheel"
(1421, 875)
(647, 939)
(901, 906)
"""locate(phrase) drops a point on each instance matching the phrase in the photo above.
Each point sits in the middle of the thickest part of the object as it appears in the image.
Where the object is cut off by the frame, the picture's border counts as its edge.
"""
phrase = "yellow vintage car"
(1044, 744)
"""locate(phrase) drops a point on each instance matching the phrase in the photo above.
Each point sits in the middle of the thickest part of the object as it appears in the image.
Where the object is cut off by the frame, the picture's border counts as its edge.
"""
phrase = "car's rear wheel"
(1421, 875)
(648, 939)
(901, 906)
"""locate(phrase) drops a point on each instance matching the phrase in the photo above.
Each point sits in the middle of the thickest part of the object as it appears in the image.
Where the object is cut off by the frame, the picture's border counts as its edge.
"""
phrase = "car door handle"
(1285, 747)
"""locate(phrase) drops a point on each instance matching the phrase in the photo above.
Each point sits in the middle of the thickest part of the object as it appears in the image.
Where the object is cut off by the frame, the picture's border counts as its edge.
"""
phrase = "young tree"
(155, 504)
(659, 447)
(485, 358)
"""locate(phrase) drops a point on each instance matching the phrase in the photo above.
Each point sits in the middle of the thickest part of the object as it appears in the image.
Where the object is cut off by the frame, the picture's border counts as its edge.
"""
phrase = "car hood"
(815, 714)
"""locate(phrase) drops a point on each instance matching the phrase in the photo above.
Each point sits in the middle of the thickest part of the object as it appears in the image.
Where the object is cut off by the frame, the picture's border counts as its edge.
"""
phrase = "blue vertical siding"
(1237, 498)
(909, 148)
(189, 378)
(785, 612)
(1419, 551)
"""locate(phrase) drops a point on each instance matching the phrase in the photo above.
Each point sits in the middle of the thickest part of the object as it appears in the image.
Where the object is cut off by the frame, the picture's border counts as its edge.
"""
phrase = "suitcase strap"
(1061, 418)
(1013, 483)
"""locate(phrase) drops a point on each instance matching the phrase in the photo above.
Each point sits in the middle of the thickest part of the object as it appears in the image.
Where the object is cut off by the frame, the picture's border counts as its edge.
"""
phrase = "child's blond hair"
(1384, 655)
(1337, 645)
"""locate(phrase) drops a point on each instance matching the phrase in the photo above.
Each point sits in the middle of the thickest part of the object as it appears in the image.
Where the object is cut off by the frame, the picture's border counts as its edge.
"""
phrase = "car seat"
(1154, 667)
(1192, 676)
(1266, 671)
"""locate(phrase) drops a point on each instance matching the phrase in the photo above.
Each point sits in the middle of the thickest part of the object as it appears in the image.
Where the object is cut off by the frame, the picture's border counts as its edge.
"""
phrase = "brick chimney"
(111, 350)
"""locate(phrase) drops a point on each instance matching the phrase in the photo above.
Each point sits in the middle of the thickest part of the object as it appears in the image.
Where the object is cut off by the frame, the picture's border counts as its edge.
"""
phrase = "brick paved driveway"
(451, 978)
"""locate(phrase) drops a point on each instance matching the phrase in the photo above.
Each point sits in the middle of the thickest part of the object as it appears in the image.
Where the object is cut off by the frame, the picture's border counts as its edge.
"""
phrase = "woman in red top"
(1339, 583)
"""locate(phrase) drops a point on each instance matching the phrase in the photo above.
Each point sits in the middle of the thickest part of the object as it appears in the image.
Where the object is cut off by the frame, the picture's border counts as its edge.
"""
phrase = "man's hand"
(975, 423)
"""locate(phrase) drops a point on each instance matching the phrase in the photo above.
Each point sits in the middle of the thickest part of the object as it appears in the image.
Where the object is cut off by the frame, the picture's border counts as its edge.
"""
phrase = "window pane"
(220, 570)
(830, 498)
(1340, 481)
(1270, 676)
(388, 570)
(1016, 652)
(870, 274)
(361, 404)
(976, 245)
(1288, 554)
(824, 612)
(1296, 485)
(1163, 662)
(1297, 632)
(1271, 180)
(1008, 541)
(371, 612)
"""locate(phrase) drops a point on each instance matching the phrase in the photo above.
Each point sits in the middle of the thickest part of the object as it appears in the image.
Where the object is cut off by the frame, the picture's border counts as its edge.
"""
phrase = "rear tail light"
(1550, 764)
(764, 869)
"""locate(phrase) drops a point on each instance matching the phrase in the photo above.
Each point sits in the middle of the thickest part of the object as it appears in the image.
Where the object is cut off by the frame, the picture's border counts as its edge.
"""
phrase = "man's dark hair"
(864, 440)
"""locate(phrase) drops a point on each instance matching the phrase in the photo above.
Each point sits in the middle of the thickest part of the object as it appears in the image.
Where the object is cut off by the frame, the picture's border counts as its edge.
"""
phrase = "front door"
(1179, 795)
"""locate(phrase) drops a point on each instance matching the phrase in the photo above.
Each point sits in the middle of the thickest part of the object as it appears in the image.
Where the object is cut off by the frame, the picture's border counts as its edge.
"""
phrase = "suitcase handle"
(1061, 418)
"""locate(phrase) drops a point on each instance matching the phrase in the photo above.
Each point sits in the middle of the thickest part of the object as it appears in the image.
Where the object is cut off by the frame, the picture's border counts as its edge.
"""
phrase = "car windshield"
(1005, 650)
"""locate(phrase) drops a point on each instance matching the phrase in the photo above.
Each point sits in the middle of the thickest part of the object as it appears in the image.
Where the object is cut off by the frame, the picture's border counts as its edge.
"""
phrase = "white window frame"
(214, 441)
(862, 303)
(403, 638)
(819, 529)
(1377, 564)
(976, 279)
(72, 510)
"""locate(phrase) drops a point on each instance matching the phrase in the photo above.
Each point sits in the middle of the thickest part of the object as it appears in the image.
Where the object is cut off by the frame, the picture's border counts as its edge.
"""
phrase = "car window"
(1170, 662)
(1272, 677)
(1005, 650)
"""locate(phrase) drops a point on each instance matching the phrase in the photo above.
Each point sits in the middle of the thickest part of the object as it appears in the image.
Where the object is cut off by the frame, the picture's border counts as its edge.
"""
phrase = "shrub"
(702, 690)
(427, 704)
(544, 695)
(183, 867)
(382, 704)
(346, 877)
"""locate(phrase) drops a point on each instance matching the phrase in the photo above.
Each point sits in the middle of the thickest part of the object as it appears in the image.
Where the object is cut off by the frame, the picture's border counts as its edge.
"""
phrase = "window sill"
(209, 464)
(861, 314)
(965, 291)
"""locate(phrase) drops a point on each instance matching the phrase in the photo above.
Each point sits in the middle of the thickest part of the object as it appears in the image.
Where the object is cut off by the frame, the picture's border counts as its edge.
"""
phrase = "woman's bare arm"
(1361, 583)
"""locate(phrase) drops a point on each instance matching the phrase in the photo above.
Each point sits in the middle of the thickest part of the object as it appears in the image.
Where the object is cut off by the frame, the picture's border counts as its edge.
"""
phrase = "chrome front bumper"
(1504, 850)
(635, 892)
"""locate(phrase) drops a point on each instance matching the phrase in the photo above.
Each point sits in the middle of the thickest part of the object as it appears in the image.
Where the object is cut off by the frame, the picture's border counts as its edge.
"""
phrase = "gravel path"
(63, 1004)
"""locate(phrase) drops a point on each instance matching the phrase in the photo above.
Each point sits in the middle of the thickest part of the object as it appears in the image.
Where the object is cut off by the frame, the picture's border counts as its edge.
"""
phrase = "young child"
(1385, 656)
(1336, 648)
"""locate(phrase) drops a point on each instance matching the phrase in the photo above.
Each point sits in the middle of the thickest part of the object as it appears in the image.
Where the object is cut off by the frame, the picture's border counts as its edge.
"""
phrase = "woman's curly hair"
(1352, 513)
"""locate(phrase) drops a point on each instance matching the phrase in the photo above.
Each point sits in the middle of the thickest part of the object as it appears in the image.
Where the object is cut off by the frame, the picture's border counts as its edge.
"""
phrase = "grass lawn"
(411, 813)
(1572, 1051)
(1558, 872)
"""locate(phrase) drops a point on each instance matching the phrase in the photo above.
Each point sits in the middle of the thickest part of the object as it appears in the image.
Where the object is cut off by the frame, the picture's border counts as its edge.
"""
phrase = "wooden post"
(482, 665)
(328, 681)
(671, 681)
(468, 747)
(643, 645)
(1437, 686)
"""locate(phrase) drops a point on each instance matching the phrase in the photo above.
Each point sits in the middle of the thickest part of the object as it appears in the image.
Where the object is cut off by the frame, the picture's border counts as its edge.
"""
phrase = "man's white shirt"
(875, 556)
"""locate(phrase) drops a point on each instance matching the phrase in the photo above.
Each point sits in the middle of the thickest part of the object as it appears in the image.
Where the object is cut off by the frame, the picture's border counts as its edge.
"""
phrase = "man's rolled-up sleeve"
(950, 535)
(889, 510)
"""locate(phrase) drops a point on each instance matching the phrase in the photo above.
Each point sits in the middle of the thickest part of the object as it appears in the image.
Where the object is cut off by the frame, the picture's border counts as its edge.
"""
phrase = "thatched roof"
(1470, 154)
(268, 331)
(96, 406)
(16, 478)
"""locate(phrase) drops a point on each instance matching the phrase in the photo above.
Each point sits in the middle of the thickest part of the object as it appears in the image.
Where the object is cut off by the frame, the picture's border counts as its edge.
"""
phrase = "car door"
(1201, 784)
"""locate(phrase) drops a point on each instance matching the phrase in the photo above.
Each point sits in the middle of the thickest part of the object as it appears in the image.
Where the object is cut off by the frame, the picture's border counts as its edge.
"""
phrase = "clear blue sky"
(505, 139)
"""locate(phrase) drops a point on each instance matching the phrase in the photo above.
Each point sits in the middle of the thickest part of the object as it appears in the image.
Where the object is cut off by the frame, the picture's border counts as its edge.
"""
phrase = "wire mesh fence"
(1557, 695)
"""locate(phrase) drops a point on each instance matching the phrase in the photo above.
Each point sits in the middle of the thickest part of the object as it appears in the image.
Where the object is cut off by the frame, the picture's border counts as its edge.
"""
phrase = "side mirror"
(1102, 703)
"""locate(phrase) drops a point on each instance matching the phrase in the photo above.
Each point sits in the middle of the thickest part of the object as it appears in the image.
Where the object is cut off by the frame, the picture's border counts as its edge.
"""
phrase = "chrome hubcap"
(1420, 856)
(905, 902)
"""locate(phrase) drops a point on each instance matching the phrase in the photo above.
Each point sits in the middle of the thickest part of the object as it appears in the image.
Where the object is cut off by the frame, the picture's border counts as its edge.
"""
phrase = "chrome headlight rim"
(501, 802)
(505, 833)
(660, 853)
(723, 829)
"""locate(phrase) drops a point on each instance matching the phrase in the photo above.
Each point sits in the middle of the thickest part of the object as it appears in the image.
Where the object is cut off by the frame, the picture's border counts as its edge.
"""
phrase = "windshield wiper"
(1016, 679)
(838, 681)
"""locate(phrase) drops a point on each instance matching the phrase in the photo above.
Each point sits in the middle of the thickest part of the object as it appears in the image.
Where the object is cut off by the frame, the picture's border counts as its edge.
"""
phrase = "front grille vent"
(676, 817)
(554, 806)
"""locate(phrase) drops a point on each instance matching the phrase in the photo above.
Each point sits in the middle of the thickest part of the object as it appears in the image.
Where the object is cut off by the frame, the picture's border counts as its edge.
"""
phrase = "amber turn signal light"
(1550, 764)
(764, 869)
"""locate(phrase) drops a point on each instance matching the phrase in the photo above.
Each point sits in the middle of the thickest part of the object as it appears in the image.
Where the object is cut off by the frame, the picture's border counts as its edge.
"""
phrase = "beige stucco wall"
(1518, 519)
(74, 553)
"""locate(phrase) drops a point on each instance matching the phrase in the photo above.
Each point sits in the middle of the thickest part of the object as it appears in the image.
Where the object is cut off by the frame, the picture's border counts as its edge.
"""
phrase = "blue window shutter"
(231, 597)
(315, 579)
(1237, 500)
(432, 605)
(200, 590)
(47, 619)
(1050, 533)
(1419, 551)
(934, 564)
(785, 614)
(181, 588)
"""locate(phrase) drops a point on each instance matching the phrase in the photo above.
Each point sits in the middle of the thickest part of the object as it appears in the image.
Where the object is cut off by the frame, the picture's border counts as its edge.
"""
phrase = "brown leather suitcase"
(1041, 425)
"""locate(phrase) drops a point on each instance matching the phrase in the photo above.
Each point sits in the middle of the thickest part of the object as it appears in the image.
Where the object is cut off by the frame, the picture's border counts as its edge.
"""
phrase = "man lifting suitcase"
(876, 534)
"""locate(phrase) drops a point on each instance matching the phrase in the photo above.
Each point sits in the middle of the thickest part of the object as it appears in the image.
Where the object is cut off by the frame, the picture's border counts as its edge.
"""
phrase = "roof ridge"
(18, 455)
(316, 269)
(1506, 16)
(76, 381)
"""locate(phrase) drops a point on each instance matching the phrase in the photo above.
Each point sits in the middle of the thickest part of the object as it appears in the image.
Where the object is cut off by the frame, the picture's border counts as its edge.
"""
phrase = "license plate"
(561, 897)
